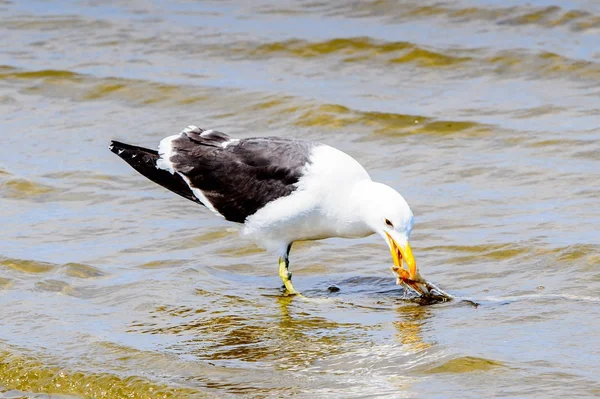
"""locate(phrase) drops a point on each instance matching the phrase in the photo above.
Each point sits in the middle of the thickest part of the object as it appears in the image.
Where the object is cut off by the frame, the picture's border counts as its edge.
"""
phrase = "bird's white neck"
(351, 213)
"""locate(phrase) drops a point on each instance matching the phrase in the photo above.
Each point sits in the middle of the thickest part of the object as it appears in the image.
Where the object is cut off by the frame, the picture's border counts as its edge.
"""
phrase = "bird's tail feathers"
(144, 161)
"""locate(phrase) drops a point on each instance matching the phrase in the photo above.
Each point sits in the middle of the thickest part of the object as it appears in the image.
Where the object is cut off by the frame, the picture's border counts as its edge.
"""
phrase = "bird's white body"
(324, 204)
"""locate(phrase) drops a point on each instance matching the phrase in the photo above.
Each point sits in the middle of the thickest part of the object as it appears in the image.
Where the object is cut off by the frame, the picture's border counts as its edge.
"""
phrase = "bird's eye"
(387, 221)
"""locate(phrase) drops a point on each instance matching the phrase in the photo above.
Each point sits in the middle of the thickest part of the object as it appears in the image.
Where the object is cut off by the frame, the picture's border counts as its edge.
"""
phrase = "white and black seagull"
(281, 190)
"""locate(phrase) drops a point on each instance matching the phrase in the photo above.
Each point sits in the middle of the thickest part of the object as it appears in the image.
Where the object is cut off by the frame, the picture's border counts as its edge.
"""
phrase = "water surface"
(483, 114)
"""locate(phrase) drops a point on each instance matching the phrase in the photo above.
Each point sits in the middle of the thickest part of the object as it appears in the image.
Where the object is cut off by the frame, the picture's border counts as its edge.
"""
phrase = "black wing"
(239, 177)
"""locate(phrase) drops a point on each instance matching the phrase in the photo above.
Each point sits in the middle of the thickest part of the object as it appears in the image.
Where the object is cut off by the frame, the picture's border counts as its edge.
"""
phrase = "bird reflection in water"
(410, 324)
(306, 337)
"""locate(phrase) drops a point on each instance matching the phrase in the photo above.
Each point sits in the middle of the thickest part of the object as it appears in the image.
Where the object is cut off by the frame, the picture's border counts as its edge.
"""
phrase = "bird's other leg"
(284, 272)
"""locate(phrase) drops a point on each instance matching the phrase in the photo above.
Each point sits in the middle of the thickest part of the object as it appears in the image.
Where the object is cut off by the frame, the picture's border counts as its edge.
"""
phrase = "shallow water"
(484, 114)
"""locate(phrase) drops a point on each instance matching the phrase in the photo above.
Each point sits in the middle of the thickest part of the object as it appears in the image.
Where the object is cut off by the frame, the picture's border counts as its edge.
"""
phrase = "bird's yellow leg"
(286, 277)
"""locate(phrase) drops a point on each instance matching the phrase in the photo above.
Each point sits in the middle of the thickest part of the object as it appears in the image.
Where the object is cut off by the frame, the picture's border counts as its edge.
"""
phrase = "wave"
(469, 61)
(30, 375)
(301, 112)
(549, 16)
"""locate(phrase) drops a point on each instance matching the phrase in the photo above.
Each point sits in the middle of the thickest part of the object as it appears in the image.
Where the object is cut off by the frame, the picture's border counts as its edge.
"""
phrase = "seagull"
(281, 190)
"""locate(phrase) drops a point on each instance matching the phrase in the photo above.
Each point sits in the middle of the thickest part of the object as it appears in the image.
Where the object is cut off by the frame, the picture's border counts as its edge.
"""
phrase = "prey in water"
(412, 281)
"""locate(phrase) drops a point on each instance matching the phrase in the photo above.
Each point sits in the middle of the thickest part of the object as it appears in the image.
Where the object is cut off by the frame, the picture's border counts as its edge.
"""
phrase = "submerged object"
(426, 292)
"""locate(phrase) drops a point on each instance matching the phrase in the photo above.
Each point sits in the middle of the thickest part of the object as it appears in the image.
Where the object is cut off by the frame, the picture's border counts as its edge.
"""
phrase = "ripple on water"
(240, 251)
(368, 51)
(517, 15)
(82, 87)
(55, 22)
(466, 364)
(27, 266)
(576, 252)
(490, 252)
(385, 123)
(542, 64)
(356, 49)
(31, 375)
(80, 270)
(194, 240)
(82, 177)
(42, 74)
(5, 283)
(51, 285)
(24, 189)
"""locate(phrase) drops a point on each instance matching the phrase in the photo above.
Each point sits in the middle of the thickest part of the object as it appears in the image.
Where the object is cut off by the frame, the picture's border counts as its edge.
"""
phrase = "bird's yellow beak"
(402, 252)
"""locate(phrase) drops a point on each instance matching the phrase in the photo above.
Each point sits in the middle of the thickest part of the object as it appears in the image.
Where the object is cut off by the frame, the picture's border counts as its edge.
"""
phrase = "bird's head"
(386, 212)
